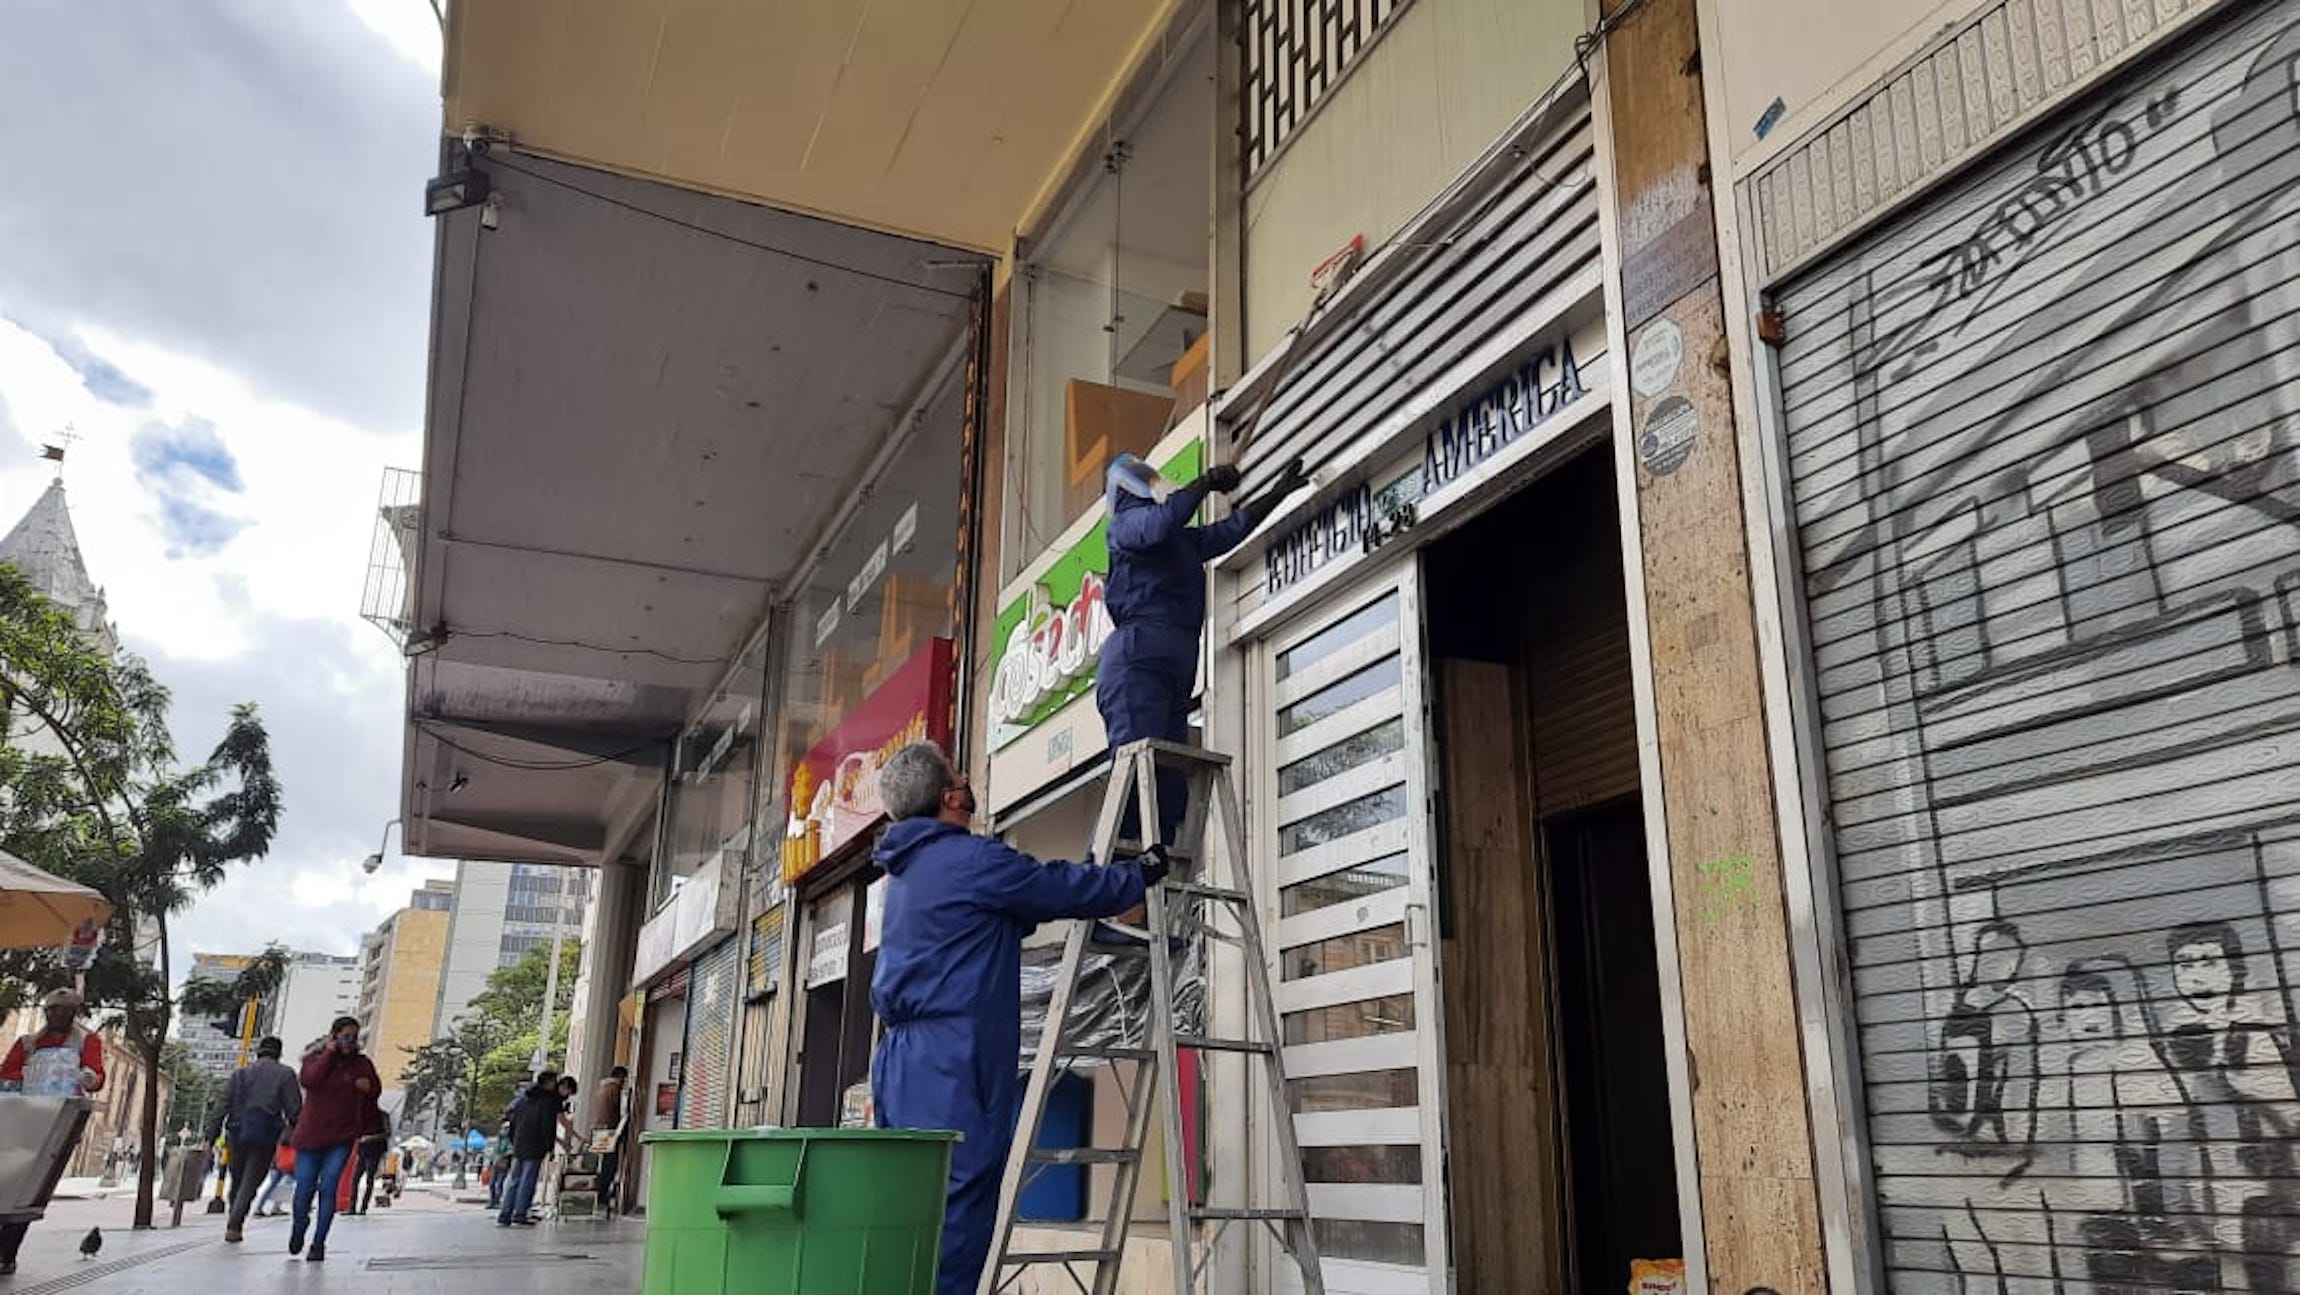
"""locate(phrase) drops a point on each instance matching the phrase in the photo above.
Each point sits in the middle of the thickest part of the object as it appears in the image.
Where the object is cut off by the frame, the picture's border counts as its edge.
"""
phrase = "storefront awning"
(648, 406)
(918, 116)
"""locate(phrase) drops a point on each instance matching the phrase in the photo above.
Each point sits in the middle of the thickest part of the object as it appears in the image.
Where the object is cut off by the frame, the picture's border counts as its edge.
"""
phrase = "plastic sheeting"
(1111, 1006)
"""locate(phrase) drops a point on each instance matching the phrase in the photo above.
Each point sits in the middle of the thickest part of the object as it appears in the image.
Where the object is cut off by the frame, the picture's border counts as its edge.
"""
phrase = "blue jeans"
(519, 1193)
(318, 1171)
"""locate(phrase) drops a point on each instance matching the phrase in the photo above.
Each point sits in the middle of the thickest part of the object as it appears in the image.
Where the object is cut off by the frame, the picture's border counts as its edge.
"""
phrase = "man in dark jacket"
(1156, 597)
(534, 1127)
(259, 1107)
(949, 979)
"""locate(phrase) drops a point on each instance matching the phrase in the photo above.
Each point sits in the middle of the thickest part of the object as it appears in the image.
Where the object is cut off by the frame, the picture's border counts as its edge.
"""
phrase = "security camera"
(372, 862)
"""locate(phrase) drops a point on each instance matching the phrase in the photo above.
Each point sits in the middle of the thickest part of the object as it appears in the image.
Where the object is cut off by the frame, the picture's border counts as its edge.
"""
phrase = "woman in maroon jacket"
(339, 1087)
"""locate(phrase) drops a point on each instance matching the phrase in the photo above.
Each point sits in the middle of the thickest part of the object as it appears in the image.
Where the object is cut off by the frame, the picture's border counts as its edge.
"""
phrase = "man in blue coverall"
(949, 980)
(1156, 596)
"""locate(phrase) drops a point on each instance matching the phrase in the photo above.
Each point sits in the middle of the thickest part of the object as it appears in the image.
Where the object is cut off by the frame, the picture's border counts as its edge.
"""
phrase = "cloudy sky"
(213, 267)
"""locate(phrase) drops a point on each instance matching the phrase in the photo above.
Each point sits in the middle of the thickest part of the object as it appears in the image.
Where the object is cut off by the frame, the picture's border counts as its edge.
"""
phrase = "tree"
(110, 807)
(490, 1046)
(192, 1092)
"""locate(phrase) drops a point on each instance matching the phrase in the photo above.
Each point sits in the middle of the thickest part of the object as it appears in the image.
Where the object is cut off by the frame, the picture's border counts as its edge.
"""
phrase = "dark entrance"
(1560, 1157)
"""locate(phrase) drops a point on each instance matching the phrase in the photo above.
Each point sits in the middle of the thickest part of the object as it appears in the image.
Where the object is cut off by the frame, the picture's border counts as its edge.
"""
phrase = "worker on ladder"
(1156, 597)
(949, 980)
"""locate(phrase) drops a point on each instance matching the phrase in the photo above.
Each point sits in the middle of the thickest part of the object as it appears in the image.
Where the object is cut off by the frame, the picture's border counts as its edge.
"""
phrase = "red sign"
(834, 791)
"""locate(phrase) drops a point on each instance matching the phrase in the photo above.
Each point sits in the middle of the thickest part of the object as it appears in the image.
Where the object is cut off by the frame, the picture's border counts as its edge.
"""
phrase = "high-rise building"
(503, 910)
(319, 988)
(213, 1050)
(400, 965)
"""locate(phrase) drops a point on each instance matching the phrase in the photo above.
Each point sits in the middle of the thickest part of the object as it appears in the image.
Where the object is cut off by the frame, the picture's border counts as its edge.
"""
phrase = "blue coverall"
(1156, 596)
(949, 987)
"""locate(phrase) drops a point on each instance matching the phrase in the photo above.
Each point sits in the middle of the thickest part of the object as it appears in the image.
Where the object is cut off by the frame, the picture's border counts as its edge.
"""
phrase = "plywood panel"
(1501, 1090)
(1752, 1134)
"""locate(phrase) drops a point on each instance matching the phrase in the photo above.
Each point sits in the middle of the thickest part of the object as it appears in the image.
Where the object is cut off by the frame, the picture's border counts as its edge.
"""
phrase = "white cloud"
(410, 27)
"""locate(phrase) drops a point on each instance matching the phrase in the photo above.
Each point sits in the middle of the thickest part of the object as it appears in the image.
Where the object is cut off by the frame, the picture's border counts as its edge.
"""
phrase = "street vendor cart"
(37, 1135)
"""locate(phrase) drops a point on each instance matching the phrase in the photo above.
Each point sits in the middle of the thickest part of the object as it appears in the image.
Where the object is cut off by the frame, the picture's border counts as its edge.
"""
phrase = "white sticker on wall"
(1655, 358)
(905, 527)
(828, 622)
(860, 586)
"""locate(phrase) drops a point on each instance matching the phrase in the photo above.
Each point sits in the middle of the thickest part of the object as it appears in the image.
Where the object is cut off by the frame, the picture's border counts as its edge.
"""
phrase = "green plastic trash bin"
(802, 1211)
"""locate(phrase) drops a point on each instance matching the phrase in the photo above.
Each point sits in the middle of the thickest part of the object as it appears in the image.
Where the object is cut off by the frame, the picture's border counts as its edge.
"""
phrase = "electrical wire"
(431, 730)
(499, 160)
(452, 634)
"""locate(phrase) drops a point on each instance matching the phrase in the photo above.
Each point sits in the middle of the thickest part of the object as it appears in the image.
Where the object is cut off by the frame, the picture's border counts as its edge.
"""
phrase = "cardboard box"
(1100, 423)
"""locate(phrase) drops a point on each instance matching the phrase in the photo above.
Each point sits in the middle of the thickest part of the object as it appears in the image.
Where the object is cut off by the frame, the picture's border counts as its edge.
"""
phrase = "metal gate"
(711, 1006)
(2043, 448)
(1356, 975)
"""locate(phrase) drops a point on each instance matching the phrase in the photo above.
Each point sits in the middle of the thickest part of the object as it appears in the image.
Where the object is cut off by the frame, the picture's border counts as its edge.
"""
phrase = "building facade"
(218, 1051)
(319, 988)
(400, 966)
(1764, 746)
(502, 912)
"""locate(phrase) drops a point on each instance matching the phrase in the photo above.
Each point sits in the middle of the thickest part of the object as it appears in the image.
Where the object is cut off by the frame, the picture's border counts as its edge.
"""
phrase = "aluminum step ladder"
(1149, 1076)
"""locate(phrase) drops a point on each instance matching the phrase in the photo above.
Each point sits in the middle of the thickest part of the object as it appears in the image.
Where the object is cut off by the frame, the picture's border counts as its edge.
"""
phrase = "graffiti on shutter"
(2044, 453)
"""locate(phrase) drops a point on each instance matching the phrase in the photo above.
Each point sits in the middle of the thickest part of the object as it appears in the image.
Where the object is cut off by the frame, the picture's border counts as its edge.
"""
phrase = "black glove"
(1290, 479)
(1155, 865)
(1222, 478)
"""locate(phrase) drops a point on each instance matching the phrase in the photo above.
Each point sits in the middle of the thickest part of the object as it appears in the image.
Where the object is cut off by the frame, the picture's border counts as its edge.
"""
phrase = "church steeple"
(46, 549)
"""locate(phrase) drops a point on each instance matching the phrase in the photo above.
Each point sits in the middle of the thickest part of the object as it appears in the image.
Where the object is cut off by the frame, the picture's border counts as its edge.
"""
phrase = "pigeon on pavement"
(91, 1243)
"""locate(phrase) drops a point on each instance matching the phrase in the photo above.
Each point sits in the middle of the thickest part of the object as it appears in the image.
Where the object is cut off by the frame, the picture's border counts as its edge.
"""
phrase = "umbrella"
(39, 911)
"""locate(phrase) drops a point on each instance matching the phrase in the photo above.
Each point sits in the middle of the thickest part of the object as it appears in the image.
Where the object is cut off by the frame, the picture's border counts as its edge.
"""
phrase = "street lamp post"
(551, 976)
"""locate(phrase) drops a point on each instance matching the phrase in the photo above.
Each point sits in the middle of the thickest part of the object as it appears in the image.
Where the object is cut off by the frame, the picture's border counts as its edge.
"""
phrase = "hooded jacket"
(334, 1103)
(1158, 560)
(957, 907)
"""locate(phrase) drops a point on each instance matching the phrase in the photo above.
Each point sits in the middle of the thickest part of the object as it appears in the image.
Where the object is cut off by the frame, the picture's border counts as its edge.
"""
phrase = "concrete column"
(620, 908)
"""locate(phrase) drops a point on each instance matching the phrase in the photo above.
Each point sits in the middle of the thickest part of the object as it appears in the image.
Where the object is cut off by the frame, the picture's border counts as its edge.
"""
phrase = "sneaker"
(318, 1253)
(232, 1234)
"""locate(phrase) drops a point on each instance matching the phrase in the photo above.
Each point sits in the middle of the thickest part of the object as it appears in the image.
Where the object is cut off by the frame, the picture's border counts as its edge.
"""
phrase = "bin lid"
(801, 1135)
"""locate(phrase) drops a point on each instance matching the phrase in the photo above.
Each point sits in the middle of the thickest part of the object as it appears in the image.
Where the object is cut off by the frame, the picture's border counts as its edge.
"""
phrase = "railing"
(388, 600)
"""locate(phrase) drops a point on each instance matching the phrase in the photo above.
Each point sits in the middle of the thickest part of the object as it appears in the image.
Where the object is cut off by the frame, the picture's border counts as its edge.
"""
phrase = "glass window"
(712, 785)
(1339, 696)
(1343, 820)
(1343, 952)
(1110, 328)
(1374, 1164)
(881, 593)
(1386, 873)
(1371, 1090)
(1343, 756)
(1358, 1020)
(1333, 638)
(1388, 1243)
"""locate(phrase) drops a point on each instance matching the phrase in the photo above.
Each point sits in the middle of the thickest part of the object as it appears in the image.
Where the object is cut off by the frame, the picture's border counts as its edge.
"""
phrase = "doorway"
(1560, 1161)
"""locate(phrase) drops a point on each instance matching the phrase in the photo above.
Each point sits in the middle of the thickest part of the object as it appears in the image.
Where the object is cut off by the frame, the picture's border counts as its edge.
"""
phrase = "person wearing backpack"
(260, 1105)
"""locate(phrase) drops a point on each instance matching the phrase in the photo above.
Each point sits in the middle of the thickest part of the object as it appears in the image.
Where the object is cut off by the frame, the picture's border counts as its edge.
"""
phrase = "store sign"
(1368, 516)
(1048, 641)
(698, 912)
(834, 791)
(1522, 400)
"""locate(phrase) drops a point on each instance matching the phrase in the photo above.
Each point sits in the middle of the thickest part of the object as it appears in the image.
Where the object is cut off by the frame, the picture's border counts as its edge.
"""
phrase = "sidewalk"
(423, 1245)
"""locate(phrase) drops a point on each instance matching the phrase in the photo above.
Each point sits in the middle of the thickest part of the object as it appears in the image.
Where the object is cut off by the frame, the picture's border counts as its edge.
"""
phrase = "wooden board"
(1508, 1212)
(1753, 1135)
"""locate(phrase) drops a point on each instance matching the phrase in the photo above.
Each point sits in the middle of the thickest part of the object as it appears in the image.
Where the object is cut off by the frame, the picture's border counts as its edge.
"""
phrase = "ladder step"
(1083, 1155)
(1108, 1052)
(1256, 1216)
(1223, 893)
(1200, 1044)
(1165, 752)
(1062, 1257)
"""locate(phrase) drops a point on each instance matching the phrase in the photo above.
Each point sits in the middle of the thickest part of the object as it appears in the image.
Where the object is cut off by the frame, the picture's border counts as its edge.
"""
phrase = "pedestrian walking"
(259, 1107)
(58, 1060)
(374, 1140)
(339, 1087)
(283, 1171)
(534, 1127)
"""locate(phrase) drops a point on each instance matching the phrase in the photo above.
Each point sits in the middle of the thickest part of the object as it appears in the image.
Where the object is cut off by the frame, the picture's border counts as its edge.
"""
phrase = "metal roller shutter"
(1478, 287)
(711, 1007)
(2043, 448)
